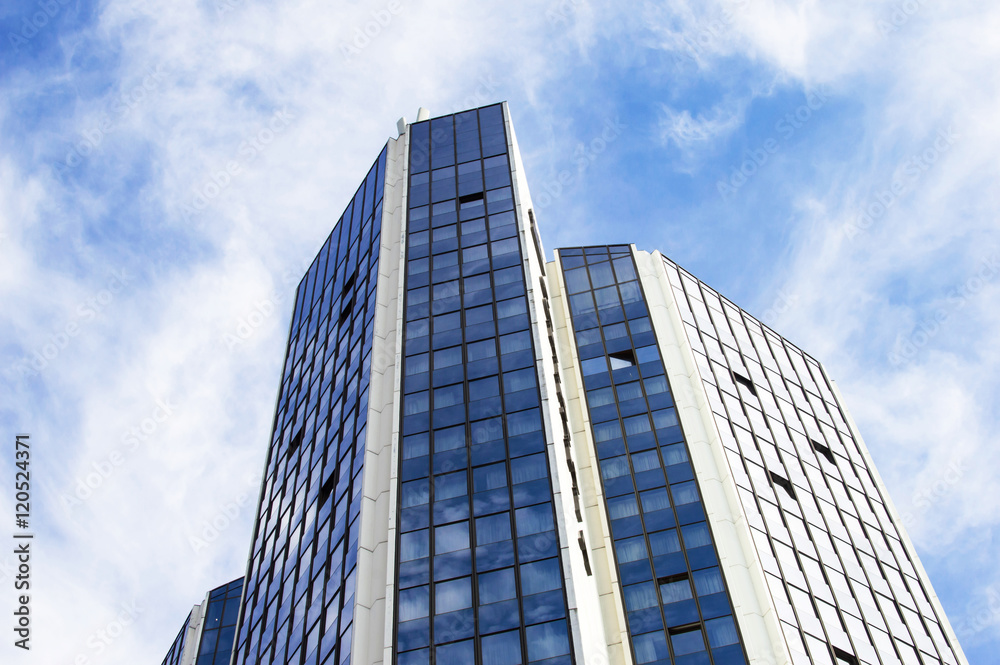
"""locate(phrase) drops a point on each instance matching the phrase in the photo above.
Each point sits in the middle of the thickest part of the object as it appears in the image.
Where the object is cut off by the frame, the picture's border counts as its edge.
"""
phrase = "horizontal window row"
(547, 644)
(466, 179)
(445, 141)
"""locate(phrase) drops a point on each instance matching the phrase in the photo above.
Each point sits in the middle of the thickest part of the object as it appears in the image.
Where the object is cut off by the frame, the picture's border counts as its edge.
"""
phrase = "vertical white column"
(374, 611)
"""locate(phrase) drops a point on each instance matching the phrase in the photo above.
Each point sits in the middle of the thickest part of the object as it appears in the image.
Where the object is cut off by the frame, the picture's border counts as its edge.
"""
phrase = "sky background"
(168, 168)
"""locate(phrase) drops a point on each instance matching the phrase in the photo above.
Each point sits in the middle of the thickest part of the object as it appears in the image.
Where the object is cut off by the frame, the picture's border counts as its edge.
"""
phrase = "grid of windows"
(845, 587)
(676, 601)
(479, 576)
(299, 604)
(219, 629)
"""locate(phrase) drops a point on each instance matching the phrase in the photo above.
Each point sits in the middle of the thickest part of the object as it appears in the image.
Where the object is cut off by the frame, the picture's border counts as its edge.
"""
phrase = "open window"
(345, 312)
(622, 359)
(745, 382)
(326, 490)
(295, 443)
(783, 483)
(823, 450)
(844, 658)
(470, 198)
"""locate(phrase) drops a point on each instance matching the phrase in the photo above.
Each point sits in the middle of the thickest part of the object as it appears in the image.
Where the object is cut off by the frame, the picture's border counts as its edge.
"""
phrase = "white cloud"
(697, 135)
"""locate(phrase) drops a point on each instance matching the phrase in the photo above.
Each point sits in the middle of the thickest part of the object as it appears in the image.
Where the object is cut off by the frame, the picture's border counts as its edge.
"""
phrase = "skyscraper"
(482, 457)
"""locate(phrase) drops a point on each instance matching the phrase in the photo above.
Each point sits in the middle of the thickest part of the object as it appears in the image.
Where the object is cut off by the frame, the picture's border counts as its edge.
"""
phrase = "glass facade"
(299, 605)
(675, 598)
(845, 587)
(219, 628)
(213, 625)
(479, 577)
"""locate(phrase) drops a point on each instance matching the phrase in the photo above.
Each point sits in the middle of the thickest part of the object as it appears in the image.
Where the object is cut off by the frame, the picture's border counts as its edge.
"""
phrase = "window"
(493, 529)
(621, 359)
(654, 500)
(450, 538)
(449, 439)
(745, 382)
(450, 485)
(664, 542)
(467, 199)
(526, 469)
(783, 483)
(534, 519)
(414, 603)
(822, 450)
(688, 641)
(546, 640)
(326, 490)
(490, 477)
(675, 588)
(640, 596)
(721, 632)
(708, 581)
(448, 396)
(631, 549)
(416, 493)
(696, 535)
(502, 649)
(540, 576)
(482, 350)
(844, 658)
(448, 357)
(295, 443)
(623, 506)
(514, 342)
(414, 545)
(496, 586)
(453, 595)
(523, 379)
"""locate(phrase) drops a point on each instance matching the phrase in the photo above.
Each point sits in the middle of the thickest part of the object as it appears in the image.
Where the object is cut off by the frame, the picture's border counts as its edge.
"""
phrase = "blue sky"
(167, 170)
